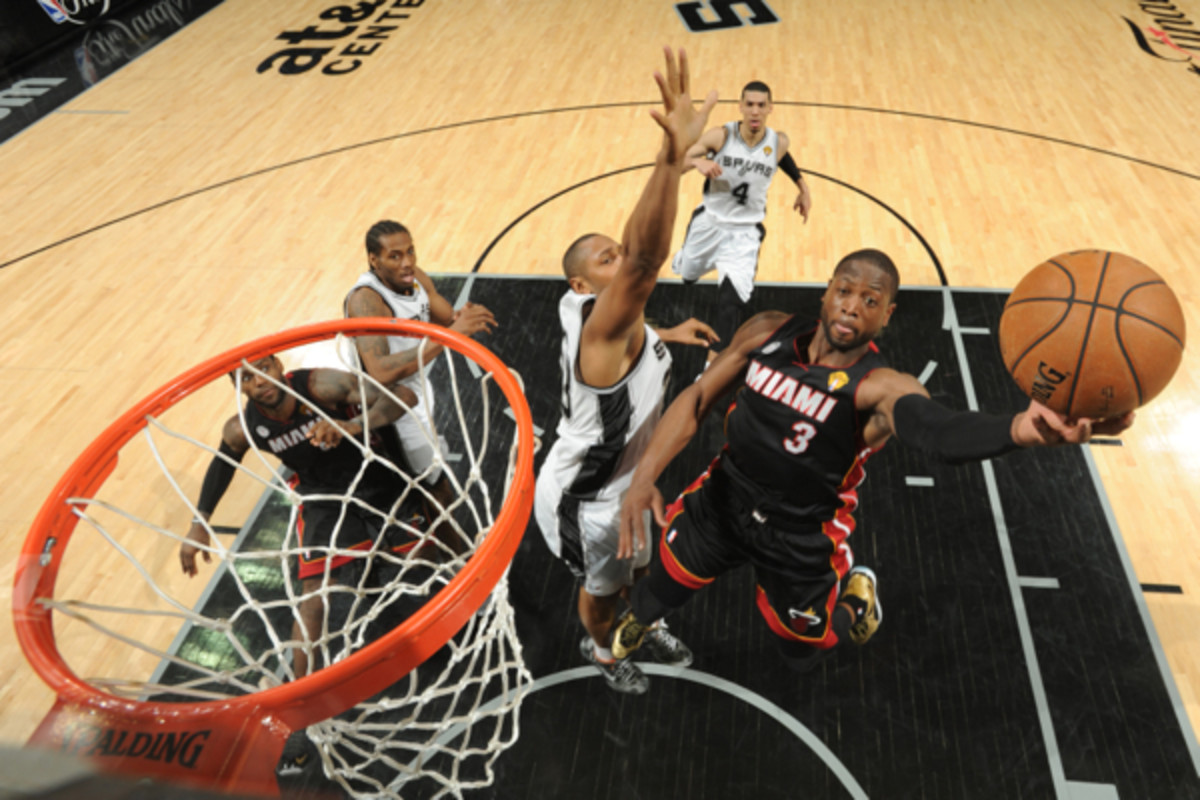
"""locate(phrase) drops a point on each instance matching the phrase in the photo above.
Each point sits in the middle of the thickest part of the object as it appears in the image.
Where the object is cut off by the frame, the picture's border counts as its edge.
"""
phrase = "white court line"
(1139, 599)
(1038, 583)
(918, 480)
(1061, 790)
(927, 373)
(737, 691)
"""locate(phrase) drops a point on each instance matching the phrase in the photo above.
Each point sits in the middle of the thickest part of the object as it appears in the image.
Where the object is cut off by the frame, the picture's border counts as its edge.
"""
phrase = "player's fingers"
(661, 120)
(672, 70)
(684, 72)
(710, 102)
(660, 513)
(1111, 427)
(664, 91)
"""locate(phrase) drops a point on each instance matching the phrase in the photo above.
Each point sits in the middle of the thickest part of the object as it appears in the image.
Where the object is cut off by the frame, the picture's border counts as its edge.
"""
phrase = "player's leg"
(573, 530)
(425, 453)
(696, 256)
(810, 597)
(693, 550)
(737, 265)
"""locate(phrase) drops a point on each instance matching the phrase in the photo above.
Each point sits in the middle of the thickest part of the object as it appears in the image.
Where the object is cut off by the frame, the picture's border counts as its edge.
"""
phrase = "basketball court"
(1038, 640)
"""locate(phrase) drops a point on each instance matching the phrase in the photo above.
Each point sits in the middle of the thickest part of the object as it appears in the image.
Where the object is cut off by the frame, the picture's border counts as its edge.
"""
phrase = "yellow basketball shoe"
(628, 636)
(861, 583)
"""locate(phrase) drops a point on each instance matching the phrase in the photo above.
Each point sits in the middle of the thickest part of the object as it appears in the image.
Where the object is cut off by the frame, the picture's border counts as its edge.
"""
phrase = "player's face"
(602, 258)
(259, 388)
(755, 107)
(857, 305)
(396, 263)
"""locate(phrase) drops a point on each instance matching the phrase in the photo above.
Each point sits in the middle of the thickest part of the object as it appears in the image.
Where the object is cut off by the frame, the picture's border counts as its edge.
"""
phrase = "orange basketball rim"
(235, 743)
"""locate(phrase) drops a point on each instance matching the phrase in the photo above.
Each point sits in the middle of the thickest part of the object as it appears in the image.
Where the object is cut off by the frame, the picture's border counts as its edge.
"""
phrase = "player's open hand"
(641, 499)
(473, 318)
(682, 123)
(1039, 426)
(197, 535)
(691, 331)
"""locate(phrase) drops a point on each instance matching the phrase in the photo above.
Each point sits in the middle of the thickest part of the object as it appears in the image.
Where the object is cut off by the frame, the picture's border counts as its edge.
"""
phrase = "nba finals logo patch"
(767, 149)
(837, 380)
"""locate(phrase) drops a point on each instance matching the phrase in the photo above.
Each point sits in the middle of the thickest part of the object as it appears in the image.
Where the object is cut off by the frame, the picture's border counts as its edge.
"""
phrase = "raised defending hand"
(473, 318)
(1039, 426)
(634, 535)
(187, 551)
(682, 124)
(691, 331)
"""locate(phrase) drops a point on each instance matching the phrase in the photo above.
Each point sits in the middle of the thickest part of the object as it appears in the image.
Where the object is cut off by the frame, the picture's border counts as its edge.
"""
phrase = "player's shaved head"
(576, 256)
(875, 258)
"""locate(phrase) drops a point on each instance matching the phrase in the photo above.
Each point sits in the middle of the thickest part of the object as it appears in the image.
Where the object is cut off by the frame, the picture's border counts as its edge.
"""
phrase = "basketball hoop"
(225, 731)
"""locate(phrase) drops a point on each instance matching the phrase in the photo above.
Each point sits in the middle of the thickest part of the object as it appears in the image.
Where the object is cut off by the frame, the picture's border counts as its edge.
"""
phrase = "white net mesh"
(439, 729)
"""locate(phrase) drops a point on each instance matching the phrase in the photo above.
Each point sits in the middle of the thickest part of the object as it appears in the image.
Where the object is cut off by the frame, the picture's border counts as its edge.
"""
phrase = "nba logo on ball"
(1092, 334)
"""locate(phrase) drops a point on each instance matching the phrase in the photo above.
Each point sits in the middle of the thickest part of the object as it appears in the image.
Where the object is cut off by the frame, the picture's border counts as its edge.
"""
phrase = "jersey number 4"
(799, 443)
(741, 191)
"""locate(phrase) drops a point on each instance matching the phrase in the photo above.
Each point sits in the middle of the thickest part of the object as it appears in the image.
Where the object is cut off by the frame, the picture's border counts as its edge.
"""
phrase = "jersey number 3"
(799, 443)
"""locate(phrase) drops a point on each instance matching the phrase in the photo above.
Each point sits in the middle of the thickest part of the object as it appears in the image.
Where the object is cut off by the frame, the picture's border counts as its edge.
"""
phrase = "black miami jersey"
(794, 430)
(319, 471)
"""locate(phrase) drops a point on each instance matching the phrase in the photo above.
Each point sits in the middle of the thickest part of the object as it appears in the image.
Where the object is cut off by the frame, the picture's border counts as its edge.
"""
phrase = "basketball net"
(419, 671)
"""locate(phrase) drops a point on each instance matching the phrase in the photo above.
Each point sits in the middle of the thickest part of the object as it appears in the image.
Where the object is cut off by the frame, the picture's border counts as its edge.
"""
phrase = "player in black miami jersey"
(615, 369)
(816, 400)
(325, 462)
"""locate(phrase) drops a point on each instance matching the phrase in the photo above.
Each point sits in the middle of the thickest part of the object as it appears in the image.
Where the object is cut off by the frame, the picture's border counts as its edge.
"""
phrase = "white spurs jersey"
(603, 432)
(739, 195)
(403, 306)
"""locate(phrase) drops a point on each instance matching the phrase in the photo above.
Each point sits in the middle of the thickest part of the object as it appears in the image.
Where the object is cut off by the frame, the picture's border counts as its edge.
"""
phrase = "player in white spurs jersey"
(614, 372)
(738, 161)
(394, 286)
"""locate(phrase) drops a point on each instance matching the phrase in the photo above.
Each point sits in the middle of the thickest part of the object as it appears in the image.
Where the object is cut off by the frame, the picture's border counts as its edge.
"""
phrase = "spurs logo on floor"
(1170, 37)
(366, 25)
(717, 15)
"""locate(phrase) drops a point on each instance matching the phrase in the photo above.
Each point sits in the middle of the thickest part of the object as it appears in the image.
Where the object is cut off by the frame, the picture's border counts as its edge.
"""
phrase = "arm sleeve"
(956, 437)
(217, 478)
(789, 167)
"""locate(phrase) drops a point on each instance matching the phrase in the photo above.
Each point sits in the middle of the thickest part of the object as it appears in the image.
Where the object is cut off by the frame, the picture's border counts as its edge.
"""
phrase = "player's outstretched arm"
(902, 407)
(332, 387)
(691, 331)
(697, 155)
(469, 320)
(216, 481)
(680, 422)
(646, 241)
(378, 360)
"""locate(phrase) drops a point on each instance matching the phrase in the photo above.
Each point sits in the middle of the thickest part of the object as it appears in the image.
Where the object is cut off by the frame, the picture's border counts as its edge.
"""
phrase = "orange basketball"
(1092, 334)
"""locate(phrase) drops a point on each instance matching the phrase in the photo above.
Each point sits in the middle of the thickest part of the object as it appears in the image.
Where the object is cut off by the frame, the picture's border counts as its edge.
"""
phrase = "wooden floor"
(192, 202)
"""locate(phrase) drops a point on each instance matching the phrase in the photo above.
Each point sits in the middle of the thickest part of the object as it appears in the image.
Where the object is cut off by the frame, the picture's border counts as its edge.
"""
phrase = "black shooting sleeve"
(956, 437)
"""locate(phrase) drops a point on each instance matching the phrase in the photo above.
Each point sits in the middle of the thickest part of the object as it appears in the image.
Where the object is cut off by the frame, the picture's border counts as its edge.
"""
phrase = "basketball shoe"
(628, 636)
(665, 648)
(622, 674)
(861, 583)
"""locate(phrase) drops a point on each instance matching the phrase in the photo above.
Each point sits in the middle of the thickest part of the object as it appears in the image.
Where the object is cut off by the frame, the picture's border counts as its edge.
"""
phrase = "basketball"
(1092, 334)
